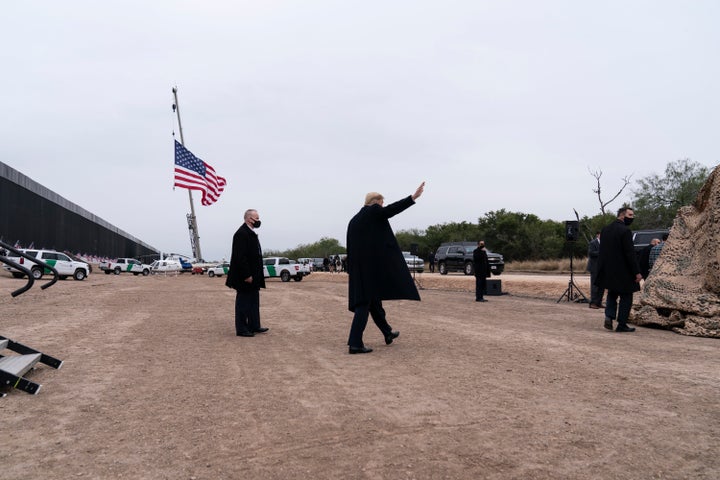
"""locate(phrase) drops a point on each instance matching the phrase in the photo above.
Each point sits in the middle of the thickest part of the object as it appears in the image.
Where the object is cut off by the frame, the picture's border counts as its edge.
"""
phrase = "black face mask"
(256, 224)
(628, 221)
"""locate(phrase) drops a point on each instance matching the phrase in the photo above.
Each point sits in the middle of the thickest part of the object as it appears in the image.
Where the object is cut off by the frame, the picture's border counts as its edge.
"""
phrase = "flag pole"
(192, 220)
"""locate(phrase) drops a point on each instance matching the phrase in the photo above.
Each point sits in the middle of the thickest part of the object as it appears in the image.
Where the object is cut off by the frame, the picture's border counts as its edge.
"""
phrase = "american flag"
(194, 174)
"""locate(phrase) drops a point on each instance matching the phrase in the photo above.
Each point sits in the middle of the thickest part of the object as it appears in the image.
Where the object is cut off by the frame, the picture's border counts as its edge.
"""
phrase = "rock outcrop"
(682, 292)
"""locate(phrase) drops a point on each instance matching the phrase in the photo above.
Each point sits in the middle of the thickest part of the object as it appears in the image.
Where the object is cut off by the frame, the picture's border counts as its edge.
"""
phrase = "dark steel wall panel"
(31, 213)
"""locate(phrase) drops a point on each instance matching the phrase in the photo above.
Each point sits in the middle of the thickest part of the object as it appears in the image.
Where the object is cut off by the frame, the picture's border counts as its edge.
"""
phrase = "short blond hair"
(373, 197)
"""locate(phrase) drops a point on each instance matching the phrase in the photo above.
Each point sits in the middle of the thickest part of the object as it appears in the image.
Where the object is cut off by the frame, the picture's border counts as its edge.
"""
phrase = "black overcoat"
(617, 263)
(376, 267)
(480, 263)
(245, 261)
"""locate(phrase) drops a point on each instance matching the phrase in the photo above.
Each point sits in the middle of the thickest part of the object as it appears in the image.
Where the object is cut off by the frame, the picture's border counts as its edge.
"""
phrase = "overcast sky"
(304, 106)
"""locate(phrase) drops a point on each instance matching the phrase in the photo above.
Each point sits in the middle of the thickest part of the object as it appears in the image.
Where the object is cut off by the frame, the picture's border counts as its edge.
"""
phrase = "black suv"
(641, 238)
(458, 257)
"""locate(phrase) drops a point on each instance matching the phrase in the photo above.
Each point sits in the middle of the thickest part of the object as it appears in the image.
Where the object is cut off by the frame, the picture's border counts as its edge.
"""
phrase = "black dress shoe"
(360, 350)
(245, 334)
(608, 323)
(481, 300)
(624, 328)
(390, 337)
(261, 330)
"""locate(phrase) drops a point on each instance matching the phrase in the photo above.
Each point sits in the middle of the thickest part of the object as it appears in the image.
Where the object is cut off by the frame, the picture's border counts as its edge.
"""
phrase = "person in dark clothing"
(644, 261)
(431, 262)
(482, 271)
(618, 270)
(656, 250)
(246, 276)
(376, 267)
(596, 292)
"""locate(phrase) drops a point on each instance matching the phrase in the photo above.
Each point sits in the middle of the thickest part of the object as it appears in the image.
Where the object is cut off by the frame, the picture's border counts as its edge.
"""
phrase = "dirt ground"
(156, 385)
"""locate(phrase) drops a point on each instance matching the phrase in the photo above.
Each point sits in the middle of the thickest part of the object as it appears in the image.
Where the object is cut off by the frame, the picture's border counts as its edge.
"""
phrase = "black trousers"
(620, 312)
(596, 293)
(480, 287)
(375, 309)
(247, 311)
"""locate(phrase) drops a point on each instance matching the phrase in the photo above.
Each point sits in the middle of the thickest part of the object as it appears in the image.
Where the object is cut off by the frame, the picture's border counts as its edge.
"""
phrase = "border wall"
(33, 214)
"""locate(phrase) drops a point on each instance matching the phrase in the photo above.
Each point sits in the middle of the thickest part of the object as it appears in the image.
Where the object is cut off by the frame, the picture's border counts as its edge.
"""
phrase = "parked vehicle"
(641, 238)
(414, 263)
(458, 257)
(165, 266)
(219, 270)
(198, 270)
(305, 268)
(78, 259)
(130, 265)
(284, 268)
(64, 265)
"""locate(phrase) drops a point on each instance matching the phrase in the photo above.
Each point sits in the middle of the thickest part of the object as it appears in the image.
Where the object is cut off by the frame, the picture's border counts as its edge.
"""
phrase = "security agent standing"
(376, 267)
(246, 276)
(596, 292)
(482, 271)
(618, 270)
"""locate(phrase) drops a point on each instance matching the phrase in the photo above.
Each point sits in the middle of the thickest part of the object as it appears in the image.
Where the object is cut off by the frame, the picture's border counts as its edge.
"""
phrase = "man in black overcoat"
(618, 270)
(376, 267)
(596, 293)
(482, 271)
(246, 276)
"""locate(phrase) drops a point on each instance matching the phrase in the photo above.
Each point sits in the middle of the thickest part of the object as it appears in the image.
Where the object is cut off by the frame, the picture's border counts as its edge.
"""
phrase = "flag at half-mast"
(194, 174)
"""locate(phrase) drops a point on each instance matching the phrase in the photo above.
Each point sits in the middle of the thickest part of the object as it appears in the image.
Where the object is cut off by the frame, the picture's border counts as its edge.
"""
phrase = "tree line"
(522, 236)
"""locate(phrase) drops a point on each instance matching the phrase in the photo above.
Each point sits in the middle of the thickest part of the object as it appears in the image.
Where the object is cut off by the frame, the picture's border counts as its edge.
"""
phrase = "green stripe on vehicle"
(51, 263)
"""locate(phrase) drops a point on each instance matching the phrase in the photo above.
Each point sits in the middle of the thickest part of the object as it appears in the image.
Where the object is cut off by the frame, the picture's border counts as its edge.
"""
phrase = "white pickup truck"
(125, 265)
(284, 268)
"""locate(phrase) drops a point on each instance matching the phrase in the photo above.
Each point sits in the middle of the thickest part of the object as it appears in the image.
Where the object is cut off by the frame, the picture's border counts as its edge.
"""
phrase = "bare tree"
(598, 190)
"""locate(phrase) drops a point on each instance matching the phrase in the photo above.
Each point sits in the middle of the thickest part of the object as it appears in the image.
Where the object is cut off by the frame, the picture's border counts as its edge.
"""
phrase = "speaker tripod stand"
(417, 282)
(414, 253)
(573, 293)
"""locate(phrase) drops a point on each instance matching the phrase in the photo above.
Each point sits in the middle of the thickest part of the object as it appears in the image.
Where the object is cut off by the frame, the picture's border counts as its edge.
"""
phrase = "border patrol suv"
(64, 265)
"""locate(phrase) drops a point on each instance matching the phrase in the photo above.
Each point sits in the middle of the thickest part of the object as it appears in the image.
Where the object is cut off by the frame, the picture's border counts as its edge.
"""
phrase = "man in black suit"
(246, 276)
(376, 267)
(618, 270)
(482, 271)
(596, 292)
